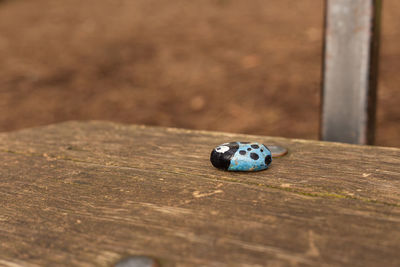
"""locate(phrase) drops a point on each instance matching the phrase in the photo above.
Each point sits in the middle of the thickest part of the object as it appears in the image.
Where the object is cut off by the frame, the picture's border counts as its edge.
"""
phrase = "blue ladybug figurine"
(241, 156)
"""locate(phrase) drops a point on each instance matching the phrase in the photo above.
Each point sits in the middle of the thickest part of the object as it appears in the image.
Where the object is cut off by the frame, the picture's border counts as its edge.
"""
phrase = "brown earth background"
(227, 65)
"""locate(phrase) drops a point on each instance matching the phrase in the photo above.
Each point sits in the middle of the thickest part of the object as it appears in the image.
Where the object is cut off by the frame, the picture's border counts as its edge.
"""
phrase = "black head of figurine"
(221, 155)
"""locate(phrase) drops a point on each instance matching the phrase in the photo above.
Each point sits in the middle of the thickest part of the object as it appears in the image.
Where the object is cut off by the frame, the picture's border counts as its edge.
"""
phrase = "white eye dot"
(222, 149)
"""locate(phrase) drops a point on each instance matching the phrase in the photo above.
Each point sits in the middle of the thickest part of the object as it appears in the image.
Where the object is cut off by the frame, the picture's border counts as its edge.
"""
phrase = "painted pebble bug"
(241, 156)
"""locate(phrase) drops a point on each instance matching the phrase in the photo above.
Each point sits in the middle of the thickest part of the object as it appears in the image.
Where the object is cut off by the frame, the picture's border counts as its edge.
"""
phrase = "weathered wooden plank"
(92, 193)
(350, 70)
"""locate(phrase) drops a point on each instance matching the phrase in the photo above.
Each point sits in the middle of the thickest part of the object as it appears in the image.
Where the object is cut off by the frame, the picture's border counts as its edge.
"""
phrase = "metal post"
(350, 70)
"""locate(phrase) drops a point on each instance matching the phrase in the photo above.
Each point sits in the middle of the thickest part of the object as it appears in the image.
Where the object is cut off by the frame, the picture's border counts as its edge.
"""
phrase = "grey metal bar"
(350, 70)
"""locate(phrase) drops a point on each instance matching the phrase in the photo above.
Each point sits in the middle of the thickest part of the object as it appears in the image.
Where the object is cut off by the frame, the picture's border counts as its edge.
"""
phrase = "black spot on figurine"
(249, 149)
(255, 146)
(254, 156)
(242, 152)
(268, 160)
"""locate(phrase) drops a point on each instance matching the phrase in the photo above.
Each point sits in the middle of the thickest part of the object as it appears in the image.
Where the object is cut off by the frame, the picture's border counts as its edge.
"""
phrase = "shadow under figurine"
(241, 156)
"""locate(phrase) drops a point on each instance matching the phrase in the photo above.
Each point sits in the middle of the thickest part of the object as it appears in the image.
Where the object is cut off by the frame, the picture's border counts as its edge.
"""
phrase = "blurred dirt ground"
(227, 65)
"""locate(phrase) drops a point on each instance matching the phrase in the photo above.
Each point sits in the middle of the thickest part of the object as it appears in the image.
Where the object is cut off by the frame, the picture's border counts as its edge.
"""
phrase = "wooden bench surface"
(92, 193)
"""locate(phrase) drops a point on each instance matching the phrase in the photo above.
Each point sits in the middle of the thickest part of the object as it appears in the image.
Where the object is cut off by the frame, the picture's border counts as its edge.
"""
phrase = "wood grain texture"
(91, 193)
